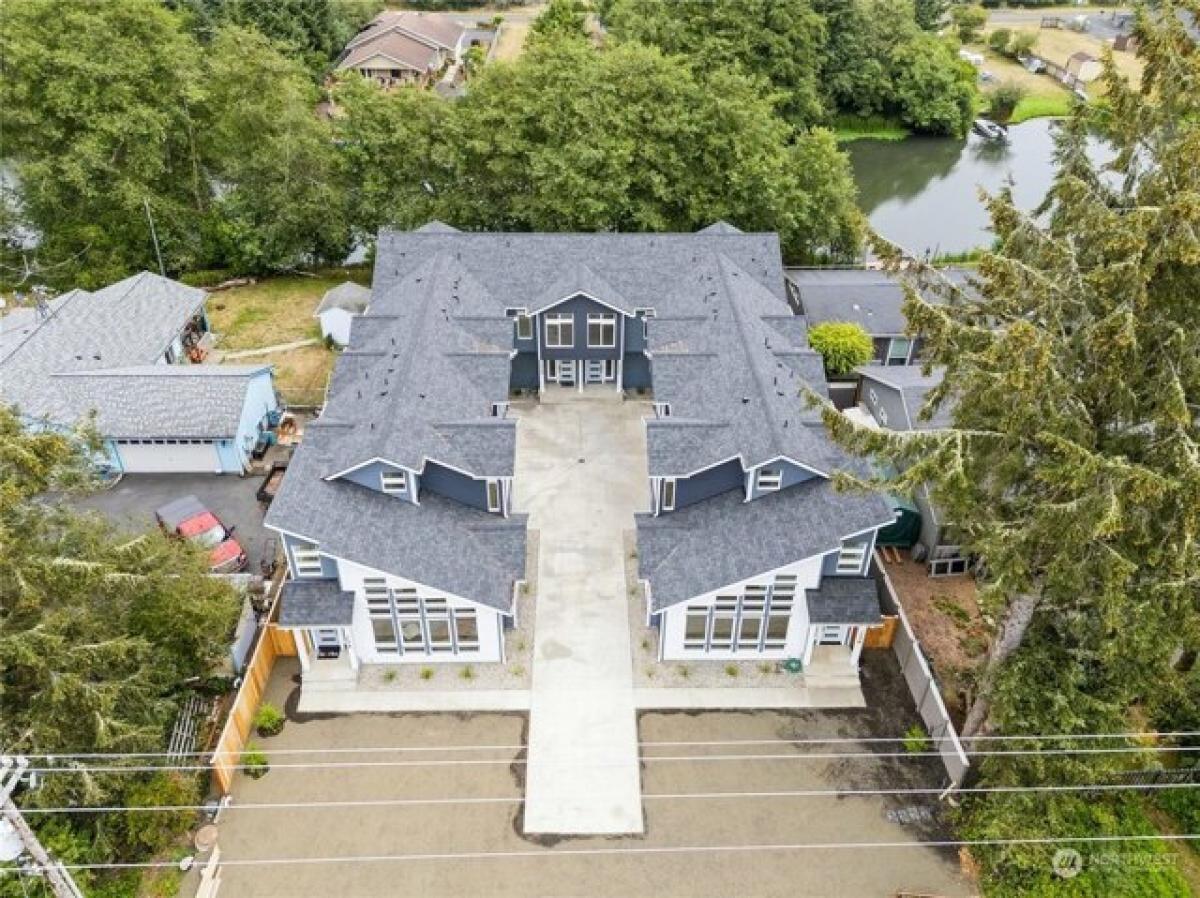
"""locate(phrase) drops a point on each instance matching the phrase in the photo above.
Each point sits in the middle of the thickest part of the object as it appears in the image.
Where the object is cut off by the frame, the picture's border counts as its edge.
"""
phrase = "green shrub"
(1004, 99)
(998, 40)
(843, 345)
(467, 673)
(731, 670)
(915, 740)
(968, 20)
(426, 673)
(206, 278)
(148, 833)
(1021, 43)
(268, 720)
(254, 762)
(389, 676)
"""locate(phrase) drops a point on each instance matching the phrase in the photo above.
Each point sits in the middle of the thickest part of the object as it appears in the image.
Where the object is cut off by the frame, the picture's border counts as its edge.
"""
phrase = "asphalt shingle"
(844, 600)
(315, 603)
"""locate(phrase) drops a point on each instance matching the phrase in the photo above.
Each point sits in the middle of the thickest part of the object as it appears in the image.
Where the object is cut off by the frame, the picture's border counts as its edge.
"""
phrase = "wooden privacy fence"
(273, 642)
(882, 636)
(921, 684)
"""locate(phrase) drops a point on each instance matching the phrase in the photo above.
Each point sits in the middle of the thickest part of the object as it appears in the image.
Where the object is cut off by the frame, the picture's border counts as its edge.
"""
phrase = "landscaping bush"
(998, 40)
(209, 277)
(254, 762)
(915, 740)
(1004, 99)
(842, 344)
(269, 720)
(1021, 43)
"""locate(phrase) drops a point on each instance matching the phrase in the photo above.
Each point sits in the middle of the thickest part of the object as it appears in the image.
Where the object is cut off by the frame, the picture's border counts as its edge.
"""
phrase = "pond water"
(923, 192)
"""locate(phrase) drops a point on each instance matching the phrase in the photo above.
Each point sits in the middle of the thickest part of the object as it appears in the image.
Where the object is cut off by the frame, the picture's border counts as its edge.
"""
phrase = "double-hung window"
(724, 613)
(769, 479)
(783, 597)
(851, 557)
(494, 496)
(602, 330)
(560, 330)
(379, 610)
(393, 481)
(524, 327)
(308, 562)
(754, 608)
(898, 351)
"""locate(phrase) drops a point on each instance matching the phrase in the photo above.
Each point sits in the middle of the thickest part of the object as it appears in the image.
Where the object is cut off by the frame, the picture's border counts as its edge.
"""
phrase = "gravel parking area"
(692, 847)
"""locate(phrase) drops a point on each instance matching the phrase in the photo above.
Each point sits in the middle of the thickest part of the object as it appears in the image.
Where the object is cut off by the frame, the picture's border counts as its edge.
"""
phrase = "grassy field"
(274, 310)
(280, 310)
(512, 41)
(1057, 45)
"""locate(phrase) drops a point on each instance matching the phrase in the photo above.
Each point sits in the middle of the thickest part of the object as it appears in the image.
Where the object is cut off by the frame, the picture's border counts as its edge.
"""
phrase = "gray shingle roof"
(844, 600)
(348, 295)
(911, 382)
(439, 543)
(177, 401)
(873, 299)
(129, 323)
(315, 603)
(734, 380)
(725, 540)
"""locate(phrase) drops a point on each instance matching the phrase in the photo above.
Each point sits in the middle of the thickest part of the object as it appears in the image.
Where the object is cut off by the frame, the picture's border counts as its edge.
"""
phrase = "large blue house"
(397, 510)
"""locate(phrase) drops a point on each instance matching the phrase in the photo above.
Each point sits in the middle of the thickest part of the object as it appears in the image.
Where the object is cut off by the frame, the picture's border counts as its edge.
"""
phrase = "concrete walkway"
(747, 698)
(581, 474)
(267, 350)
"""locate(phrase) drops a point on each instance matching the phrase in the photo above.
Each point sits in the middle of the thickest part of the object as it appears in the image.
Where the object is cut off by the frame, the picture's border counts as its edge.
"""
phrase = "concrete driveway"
(439, 797)
(132, 502)
(581, 474)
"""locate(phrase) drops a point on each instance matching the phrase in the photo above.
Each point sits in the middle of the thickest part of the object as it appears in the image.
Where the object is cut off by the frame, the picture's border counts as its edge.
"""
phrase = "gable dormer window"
(560, 330)
(393, 482)
(769, 480)
(495, 496)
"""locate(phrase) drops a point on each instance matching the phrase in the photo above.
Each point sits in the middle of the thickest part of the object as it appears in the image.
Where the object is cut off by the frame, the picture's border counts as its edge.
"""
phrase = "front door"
(328, 642)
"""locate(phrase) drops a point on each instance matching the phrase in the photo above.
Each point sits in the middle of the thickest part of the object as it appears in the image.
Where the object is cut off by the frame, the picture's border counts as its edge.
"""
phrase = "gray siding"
(635, 335)
(529, 345)
(579, 306)
(369, 476)
(524, 373)
(885, 404)
(706, 484)
(290, 543)
(635, 371)
(453, 485)
(791, 475)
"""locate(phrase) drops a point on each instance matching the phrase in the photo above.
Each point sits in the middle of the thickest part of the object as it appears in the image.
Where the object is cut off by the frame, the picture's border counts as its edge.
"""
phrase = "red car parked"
(188, 519)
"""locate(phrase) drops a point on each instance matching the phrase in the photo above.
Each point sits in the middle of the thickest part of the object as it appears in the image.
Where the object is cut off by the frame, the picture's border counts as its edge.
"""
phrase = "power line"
(648, 850)
(483, 762)
(1031, 737)
(653, 796)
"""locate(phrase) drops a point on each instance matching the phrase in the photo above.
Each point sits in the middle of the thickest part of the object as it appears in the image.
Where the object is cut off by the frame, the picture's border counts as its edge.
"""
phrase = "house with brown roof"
(404, 47)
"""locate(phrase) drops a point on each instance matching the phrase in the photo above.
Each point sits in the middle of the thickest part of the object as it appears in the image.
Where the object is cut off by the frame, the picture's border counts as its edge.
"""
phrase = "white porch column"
(808, 645)
(348, 645)
(301, 648)
(860, 637)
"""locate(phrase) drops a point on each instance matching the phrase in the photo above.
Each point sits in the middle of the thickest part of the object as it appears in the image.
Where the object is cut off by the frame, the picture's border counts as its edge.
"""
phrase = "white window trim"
(768, 480)
(669, 482)
(558, 319)
(498, 486)
(395, 477)
(605, 320)
(524, 326)
(889, 356)
(307, 562)
(851, 557)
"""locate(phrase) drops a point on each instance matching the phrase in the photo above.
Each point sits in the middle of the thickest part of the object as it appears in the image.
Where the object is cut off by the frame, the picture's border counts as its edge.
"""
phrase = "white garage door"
(148, 457)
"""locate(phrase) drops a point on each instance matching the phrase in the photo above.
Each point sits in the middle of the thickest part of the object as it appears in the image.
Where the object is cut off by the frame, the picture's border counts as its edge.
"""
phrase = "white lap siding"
(730, 606)
(416, 604)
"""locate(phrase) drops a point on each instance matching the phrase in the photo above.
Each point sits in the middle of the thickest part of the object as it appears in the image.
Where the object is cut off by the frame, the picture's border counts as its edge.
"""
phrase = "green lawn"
(1057, 105)
(274, 310)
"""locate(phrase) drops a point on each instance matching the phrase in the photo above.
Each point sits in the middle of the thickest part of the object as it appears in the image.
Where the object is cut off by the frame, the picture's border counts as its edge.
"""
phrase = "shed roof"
(347, 295)
(913, 385)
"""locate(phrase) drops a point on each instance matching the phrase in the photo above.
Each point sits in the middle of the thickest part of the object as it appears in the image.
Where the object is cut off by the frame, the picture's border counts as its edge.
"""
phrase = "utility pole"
(154, 234)
(61, 883)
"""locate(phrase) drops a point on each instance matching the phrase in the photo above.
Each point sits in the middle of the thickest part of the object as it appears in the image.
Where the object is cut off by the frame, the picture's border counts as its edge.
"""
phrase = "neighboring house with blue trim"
(118, 354)
(397, 513)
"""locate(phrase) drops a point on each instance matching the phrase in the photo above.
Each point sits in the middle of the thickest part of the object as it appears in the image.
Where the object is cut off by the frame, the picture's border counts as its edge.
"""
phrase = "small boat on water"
(989, 130)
